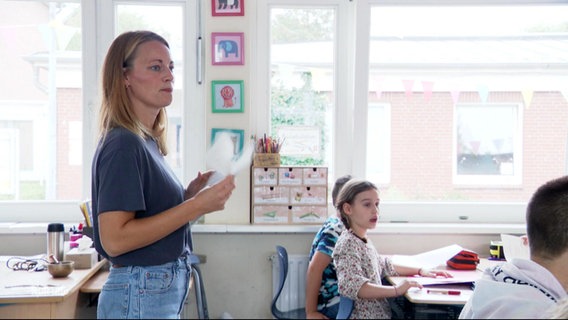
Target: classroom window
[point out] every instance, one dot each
(42, 110)
(302, 72)
(380, 89)
(48, 120)
(478, 111)
(41, 100)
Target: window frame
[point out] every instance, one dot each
(487, 180)
(97, 35)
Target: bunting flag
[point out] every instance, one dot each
(427, 87)
(408, 84)
(455, 96)
(527, 97)
(483, 92)
(475, 144)
(498, 144)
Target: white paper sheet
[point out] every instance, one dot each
(513, 247)
(221, 158)
(429, 259)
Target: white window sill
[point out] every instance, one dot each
(382, 228)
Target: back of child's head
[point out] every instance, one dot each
(547, 219)
(339, 183)
(348, 193)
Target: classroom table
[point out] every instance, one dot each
(419, 303)
(31, 294)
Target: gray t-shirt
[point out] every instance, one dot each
(130, 174)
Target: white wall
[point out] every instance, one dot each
(233, 213)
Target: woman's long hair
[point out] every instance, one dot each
(116, 107)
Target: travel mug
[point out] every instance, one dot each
(55, 238)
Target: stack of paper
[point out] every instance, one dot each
(429, 259)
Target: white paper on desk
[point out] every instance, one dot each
(429, 259)
(222, 157)
(513, 247)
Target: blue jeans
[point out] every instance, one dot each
(152, 292)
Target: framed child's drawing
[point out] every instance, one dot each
(228, 7)
(227, 96)
(227, 48)
(237, 137)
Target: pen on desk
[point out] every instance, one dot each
(444, 291)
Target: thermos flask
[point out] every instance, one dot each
(55, 239)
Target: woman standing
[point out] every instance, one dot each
(141, 211)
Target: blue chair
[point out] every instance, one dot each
(345, 307)
(299, 313)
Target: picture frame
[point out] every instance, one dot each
(227, 48)
(227, 96)
(237, 136)
(227, 8)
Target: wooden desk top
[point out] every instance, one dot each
(40, 287)
(96, 282)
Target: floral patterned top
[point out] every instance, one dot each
(358, 262)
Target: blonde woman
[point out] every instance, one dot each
(141, 211)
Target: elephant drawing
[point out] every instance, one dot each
(234, 4)
(228, 46)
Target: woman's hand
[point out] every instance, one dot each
(197, 184)
(213, 198)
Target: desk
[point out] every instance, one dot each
(28, 295)
(419, 301)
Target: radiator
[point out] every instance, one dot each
(293, 294)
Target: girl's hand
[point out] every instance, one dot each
(434, 273)
(405, 285)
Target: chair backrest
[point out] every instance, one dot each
(282, 256)
(345, 307)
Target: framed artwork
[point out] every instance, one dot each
(228, 7)
(227, 48)
(237, 137)
(227, 96)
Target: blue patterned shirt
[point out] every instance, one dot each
(324, 242)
